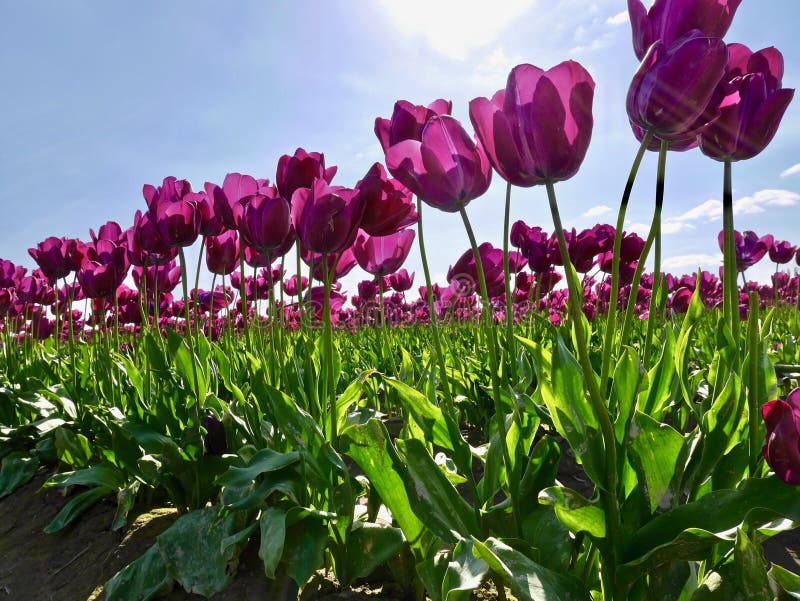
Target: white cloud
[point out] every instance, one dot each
(691, 261)
(455, 27)
(492, 71)
(793, 170)
(671, 226)
(711, 210)
(597, 211)
(618, 19)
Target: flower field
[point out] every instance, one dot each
(423, 429)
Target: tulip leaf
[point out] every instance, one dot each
(575, 511)
(624, 389)
(788, 581)
(369, 546)
(753, 579)
(304, 548)
(273, 536)
(464, 573)
(426, 414)
(76, 507)
(16, 470)
(141, 580)
(266, 460)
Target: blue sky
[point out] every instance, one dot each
(100, 98)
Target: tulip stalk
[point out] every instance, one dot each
(611, 320)
(730, 287)
(609, 494)
(510, 341)
(494, 366)
(753, 414)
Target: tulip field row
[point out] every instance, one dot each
(420, 428)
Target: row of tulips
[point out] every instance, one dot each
(658, 395)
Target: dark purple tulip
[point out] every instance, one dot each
(519, 233)
(752, 105)
(103, 269)
(234, 188)
(52, 256)
(264, 221)
(111, 230)
(145, 246)
(389, 204)
(300, 171)
(326, 218)
(631, 247)
(446, 169)
(255, 258)
(382, 255)
(681, 299)
(209, 224)
(222, 253)
(367, 289)
(539, 126)
(538, 248)
(750, 249)
(400, 281)
(214, 441)
(671, 91)
(797, 257)
(781, 252)
(291, 288)
(408, 121)
(6, 301)
(178, 220)
(10, 274)
(32, 289)
(162, 277)
(465, 271)
(668, 20)
(782, 447)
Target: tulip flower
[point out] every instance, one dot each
(222, 253)
(103, 269)
(408, 121)
(446, 168)
(264, 221)
(234, 188)
(178, 220)
(382, 255)
(291, 288)
(162, 277)
(300, 170)
(673, 87)
(668, 20)
(752, 105)
(389, 207)
(750, 249)
(539, 126)
(466, 273)
(400, 281)
(326, 218)
(52, 257)
(781, 252)
(782, 447)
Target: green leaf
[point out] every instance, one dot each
(273, 535)
(662, 384)
(16, 470)
(103, 474)
(624, 389)
(143, 579)
(370, 545)
(188, 365)
(72, 510)
(655, 452)
(266, 460)
(464, 573)
(73, 448)
(126, 499)
(426, 414)
(681, 356)
(545, 532)
(192, 549)
(433, 498)
(788, 581)
(370, 448)
(753, 580)
(528, 580)
(351, 395)
(575, 511)
(304, 549)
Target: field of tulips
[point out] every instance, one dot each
(425, 428)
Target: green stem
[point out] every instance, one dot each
(494, 366)
(730, 287)
(510, 341)
(327, 340)
(754, 355)
(611, 321)
(609, 493)
(197, 282)
(243, 296)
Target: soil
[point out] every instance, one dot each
(73, 564)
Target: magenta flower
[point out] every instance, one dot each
(408, 121)
(465, 270)
(264, 221)
(291, 288)
(103, 269)
(382, 255)
(326, 218)
(163, 277)
(222, 253)
(782, 447)
(539, 126)
(446, 168)
(673, 87)
(400, 281)
(52, 256)
(234, 188)
(781, 252)
(300, 170)
(668, 20)
(389, 204)
(752, 105)
(750, 249)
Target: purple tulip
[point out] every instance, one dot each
(446, 169)
(782, 447)
(103, 269)
(408, 121)
(668, 20)
(781, 252)
(234, 188)
(752, 105)
(389, 204)
(326, 218)
(673, 87)
(465, 271)
(264, 221)
(162, 277)
(382, 255)
(300, 171)
(178, 220)
(539, 127)
(750, 249)
(400, 281)
(222, 253)
(52, 256)
(291, 288)
(367, 289)
(10, 274)
(145, 245)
